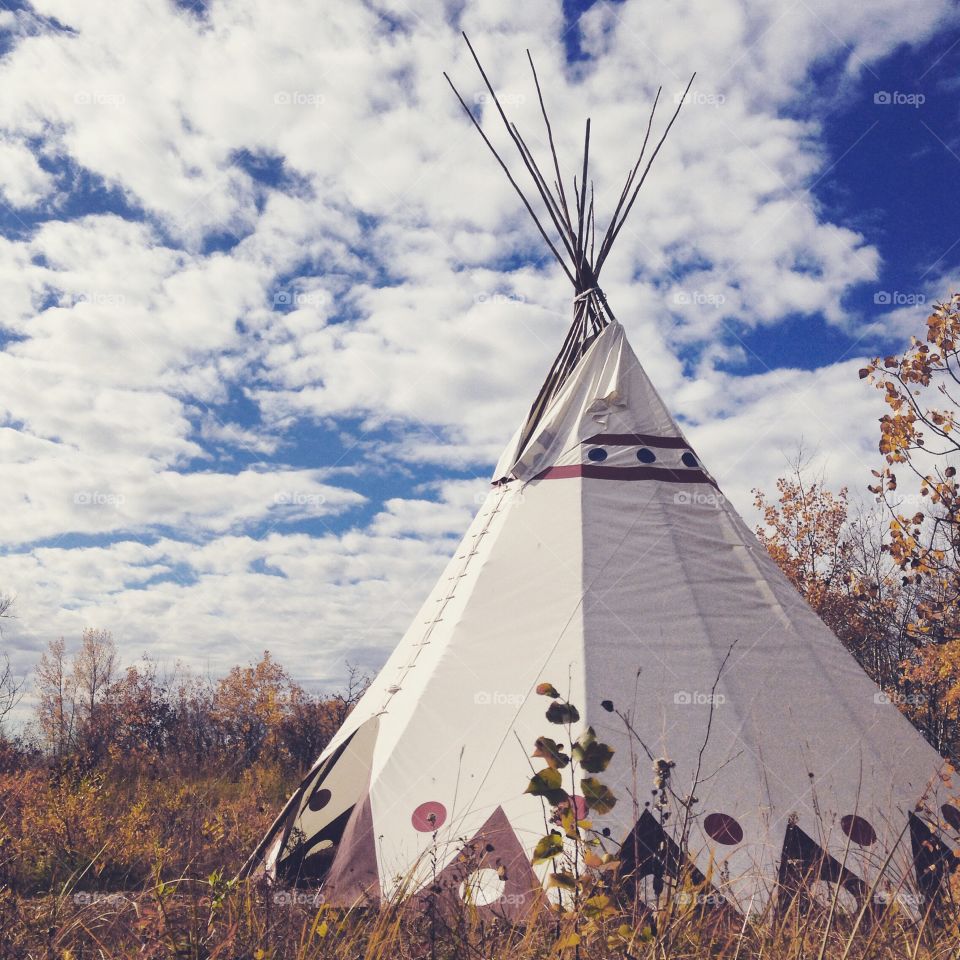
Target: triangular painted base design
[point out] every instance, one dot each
(649, 851)
(354, 878)
(934, 862)
(804, 862)
(494, 847)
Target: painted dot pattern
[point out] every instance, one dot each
(723, 828)
(858, 830)
(646, 455)
(429, 816)
(319, 799)
(689, 460)
(597, 455)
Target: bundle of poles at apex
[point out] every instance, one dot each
(580, 258)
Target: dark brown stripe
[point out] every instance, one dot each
(596, 471)
(633, 439)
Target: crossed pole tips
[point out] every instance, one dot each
(572, 240)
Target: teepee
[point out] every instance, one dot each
(606, 561)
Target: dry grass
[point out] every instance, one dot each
(211, 919)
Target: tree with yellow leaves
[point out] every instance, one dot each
(918, 438)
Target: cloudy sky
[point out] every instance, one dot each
(270, 312)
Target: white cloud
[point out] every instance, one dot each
(23, 182)
(383, 285)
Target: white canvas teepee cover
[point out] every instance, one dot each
(606, 561)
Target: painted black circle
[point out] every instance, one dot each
(597, 455)
(319, 799)
(644, 455)
(689, 460)
(723, 828)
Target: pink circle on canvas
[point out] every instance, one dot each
(429, 816)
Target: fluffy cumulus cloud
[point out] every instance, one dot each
(241, 234)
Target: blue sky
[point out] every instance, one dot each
(272, 311)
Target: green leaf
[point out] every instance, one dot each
(546, 783)
(599, 797)
(547, 848)
(552, 752)
(592, 755)
(548, 690)
(562, 713)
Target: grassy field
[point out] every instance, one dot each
(123, 864)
